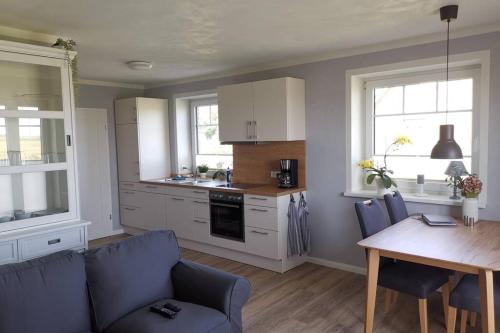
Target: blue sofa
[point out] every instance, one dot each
(110, 290)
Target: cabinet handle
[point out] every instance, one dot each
(201, 222)
(128, 192)
(54, 241)
(254, 126)
(259, 210)
(131, 209)
(128, 184)
(260, 232)
(249, 124)
(151, 186)
(178, 199)
(201, 202)
(199, 192)
(257, 198)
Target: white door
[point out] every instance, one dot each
(270, 110)
(235, 104)
(93, 170)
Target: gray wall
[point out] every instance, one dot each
(103, 98)
(335, 229)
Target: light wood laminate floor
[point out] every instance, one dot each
(313, 298)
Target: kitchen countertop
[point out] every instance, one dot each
(265, 189)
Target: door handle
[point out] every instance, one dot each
(224, 205)
(260, 232)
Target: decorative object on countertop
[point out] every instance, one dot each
(447, 148)
(381, 173)
(203, 169)
(420, 186)
(455, 171)
(219, 175)
(471, 188)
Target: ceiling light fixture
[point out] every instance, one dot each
(447, 148)
(139, 65)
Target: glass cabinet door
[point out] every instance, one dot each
(37, 179)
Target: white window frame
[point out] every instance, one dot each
(194, 126)
(360, 84)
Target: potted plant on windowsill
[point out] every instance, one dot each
(382, 174)
(202, 170)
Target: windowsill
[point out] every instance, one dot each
(428, 199)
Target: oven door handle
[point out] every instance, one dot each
(223, 205)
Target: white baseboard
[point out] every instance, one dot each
(337, 265)
(117, 232)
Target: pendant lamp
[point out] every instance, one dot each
(447, 148)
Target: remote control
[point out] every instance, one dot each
(172, 307)
(163, 311)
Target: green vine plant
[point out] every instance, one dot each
(69, 45)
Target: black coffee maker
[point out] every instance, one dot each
(289, 173)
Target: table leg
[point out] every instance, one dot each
(487, 302)
(371, 288)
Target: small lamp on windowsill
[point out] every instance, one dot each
(455, 170)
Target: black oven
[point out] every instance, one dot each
(227, 215)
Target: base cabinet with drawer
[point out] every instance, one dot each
(38, 242)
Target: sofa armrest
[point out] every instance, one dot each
(207, 286)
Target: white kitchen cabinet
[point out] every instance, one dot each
(128, 111)
(128, 152)
(261, 217)
(39, 177)
(131, 216)
(154, 214)
(142, 138)
(179, 213)
(235, 105)
(269, 110)
(262, 242)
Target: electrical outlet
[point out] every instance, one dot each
(274, 174)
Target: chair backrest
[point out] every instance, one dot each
(396, 207)
(370, 216)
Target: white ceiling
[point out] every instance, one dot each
(187, 39)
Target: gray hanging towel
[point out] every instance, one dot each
(294, 237)
(303, 212)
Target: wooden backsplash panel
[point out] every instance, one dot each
(253, 163)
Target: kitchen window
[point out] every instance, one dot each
(207, 148)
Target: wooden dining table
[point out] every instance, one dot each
(460, 248)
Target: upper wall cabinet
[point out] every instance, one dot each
(270, 110)
(142, 138)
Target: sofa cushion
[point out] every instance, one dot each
(48, 294)
(130, 274)
(192, 318)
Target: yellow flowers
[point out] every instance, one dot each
(366, 164)
(402, 140)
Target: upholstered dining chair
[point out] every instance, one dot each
(466, 297)
(396, 207)
(401, 276)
